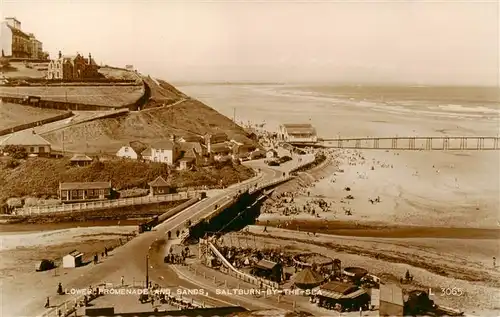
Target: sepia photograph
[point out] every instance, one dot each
(249, 158)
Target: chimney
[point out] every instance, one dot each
(90, 59)
(60, 54)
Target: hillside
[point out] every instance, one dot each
(12, 115)
(39, 177)
(189, 117)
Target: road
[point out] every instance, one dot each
(128, 260)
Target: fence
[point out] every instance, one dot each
(36, 123)
(96, 205)
(241, 275)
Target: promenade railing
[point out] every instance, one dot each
(105, 204)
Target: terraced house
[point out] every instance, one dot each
(15, 43)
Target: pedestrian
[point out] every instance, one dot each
(494, 262)
(106, 251)
(47, 303)
(122, 280)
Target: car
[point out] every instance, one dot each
(273, 163)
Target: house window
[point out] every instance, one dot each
(32, 149)
(41, 149)
(126, 149)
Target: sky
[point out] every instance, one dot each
(417, 42)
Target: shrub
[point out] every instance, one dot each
(16, 151)
(12, 163)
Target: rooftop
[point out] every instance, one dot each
(338, 287)
(391, 293)
(163, 145)
(305, 128)
(158, 182)
(87, 185)
(219, 148)
(24, 138)
(266, 264)
(75, 253)
(80, 158)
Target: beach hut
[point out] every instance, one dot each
(73, 259)
(307, 279)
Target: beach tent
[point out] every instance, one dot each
(307, 279)
(44, 265)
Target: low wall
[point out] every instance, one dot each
(110, 213)
(105, 204)
(36, 123)
(58, 104)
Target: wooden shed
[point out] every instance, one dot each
(391, 300)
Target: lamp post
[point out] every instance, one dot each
(147, 271)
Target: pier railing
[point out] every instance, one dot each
(418, 143)
(105, 204)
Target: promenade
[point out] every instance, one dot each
(128, 260)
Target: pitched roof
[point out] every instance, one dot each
(188, 146)
(128, 147)
(219, 148)
(158, 182)
(244, 148)
(86, 185)
(80, 157)
(24, 138)
(391, 293)
(338, 287)
(147, 152)
(163, 145)
(306, 128)
(266, 264)
(75, 253)
(191, 138)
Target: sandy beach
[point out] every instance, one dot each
(433, 212)
(426, 188)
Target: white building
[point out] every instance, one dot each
(33, 143)
(162, 152)
(73, 259)
(298, 133)
(127, 151)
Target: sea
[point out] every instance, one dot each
(357, 111)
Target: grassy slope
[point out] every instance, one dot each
(40, 177)
(108, 135)
(12, 115)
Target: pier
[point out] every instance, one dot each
(416, 143)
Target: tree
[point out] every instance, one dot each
(16, 151)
